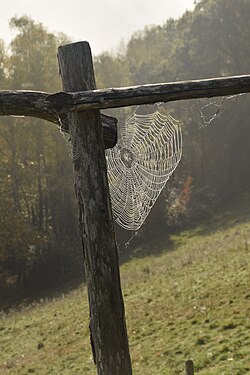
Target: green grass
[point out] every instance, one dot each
(190, 302)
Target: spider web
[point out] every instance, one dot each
(73, 142)
(210, 110)
(149, 149)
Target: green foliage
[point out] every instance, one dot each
(3, 58)
(33, 63)
(111, 71)
(191, 302)
(38, 235)
(36, 180)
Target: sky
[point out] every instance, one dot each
(103, 23)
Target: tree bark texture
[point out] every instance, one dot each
(107, 318)
(149, 94)
(33, 103)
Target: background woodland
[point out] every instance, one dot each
(39, 244)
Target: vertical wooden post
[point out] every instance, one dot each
(107, 318)
(189, 366)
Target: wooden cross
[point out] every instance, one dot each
(81, 102)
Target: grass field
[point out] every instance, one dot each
(191, 300)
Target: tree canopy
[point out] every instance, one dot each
(39, 245)
(39, 240)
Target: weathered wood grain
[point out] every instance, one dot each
(33, 104)
(189, 366)
(48, 106)
(107, 318)
(149, 94)
(26, 103)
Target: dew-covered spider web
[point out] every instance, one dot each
(211, 109)
(148, 150)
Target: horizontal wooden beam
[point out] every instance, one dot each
(148, 94)
(33, 104)
(26, 103)
(48, 106)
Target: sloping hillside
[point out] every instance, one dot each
(190, 302)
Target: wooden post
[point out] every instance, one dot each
(189, 366)
(107, 318)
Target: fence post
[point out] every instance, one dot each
(107, 318)
(189, 366)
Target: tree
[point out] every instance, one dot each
(37, 200)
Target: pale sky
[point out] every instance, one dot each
(103, 23)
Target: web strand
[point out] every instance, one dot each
(148, 151)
